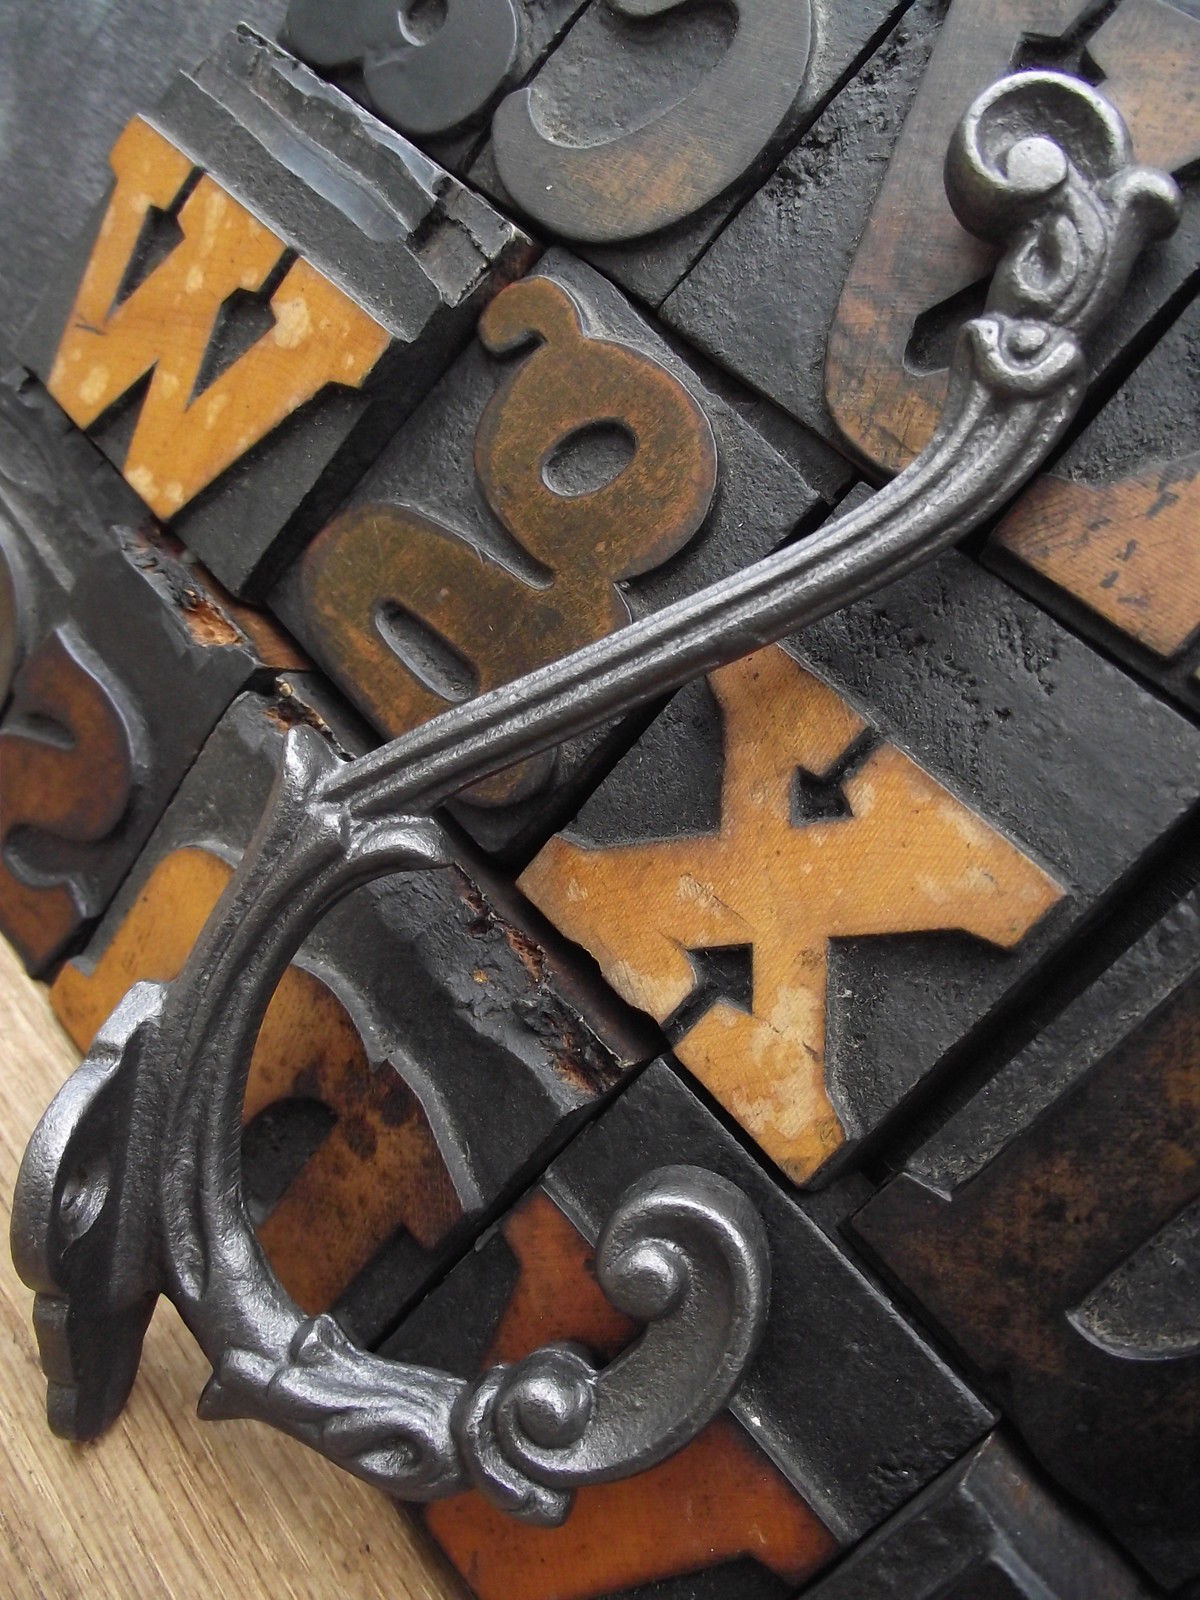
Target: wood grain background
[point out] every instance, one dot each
(164, 1505)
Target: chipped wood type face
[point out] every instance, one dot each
(191, 427)
(69, 92)
(257, 303)
(778, 883)
(409, 355)
(1123, 549)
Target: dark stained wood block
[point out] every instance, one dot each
(118, 659)
(570, 471)
(272, 283)
(1051, 1231)
(1107, 538)
(824, 871)
(424, 1049)
(838, 289)
(640, 135)
(986, 1530)
(797, 1469)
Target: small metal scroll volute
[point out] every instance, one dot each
(130, 1187)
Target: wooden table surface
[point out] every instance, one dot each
(164, 1504)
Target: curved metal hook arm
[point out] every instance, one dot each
(1073, 215)
(130, 1186)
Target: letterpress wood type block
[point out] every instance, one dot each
(119, 661)
(643, 130)
(1108, 538)
(839, 287)
(796, 1469)
(439, 88)
(1051, 1231)
(568, 472)
(273, 281)
(68, 88)
(422, 1051)
(986, 1530)
(826, 869)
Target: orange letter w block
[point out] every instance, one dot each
(188, 434)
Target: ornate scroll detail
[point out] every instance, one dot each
(130, 1186)
(684, 1251)
(1074, 220)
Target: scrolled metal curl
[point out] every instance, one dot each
(684, 1252)
(130, 1187)
(1070, 204)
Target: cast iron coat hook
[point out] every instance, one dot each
(130, 1187)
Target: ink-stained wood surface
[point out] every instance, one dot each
(916, 257)
(378, 1167)
(439, 90)
(192, 426)
(1125, 548)
(1106, 538)
(648, 176)
(78, 793)
(164, 1506)
(122, 659)
(1051, 1230)
(586, 540)
(987, 1528)
(895, 853)
(719, 1500)
(93, 77)
(426, 1046)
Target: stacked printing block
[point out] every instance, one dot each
(387, 362)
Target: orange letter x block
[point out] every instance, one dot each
(911, 858)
